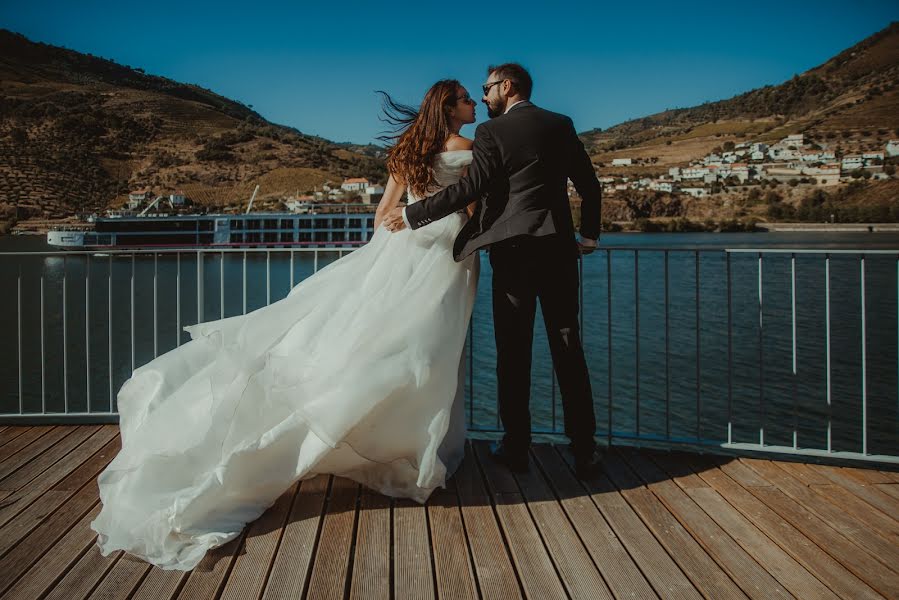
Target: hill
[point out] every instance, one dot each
(851, 102)
(77, 132)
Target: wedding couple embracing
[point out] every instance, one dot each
(359, 370)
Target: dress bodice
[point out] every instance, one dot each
(448, 168)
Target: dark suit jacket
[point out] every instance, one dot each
(521, 164)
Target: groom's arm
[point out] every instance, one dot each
(581, 173)
(484, 166)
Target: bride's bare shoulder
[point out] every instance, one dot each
(457, 142)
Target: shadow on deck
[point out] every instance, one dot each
(655, 524)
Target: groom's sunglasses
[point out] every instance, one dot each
(486, 87)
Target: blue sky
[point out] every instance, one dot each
(315, 65)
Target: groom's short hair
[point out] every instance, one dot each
(515, 73)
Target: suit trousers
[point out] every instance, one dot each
(525, 269)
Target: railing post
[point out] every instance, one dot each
(795, 369)
(199, 286)
(667, 358)
(87, 328)
(698, 355)
(637, 337)
(730, 356)
(761, 362)
(65, 340)
(609, 338)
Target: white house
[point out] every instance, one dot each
(663, 186)
(696, 192)
(674, 173)
(621, 162)
(852, 162)
(870, 156)
(758, 155)
(892, 148)
(139, 195)
(177, 199)
(694, 173)
(355, 184)
(825, 175)
(796, 139)
(759, 147)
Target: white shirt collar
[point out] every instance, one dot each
(514, 104)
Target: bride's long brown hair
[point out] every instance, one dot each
(419, 135)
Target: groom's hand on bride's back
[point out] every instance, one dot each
(394, 220)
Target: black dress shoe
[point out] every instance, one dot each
(516, 461)
(587, 466)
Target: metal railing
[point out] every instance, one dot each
(634, 432)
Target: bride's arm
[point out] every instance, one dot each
(391, 198)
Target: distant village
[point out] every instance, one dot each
(791, 160)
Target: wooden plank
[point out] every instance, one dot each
(452, 563)
(890, 489)
(789, 572)
(754, 580)
(885, 503)
(839, 495)
(293, 562)
(573, 563)
(208, 577)
(534, 566)
(837, 577)
(863, 564)
(332, 560)
(616, 566)
(120, 581)
(252, 565)
(696, 564)
(56, 562)
(846, 524)
(12, 432)
(85, 575)
(37, 509)
(30, 498)
(413, 574)
(661, 571)
(160, 585)
(496, 577)
(894, 475)
(42, 538)
(27, 472)
(27, 437)
(371, 562)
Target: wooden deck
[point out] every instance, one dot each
(655, 525)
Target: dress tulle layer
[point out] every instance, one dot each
(358, 372)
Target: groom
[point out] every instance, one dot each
(522, 160)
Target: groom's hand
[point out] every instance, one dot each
(586, 246)
(394, 220)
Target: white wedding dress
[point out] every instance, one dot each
(358, 372)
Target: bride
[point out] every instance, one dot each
(358, 372)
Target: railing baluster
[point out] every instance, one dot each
(637, 337)
(178, 300)
(87, 328)
(698, 355)
(315, 261)
(795, 369)
(864, 364)
(222, 286)
(268, 277)
(132, 312)
(609, 338)
(471, 369)
(667, 357)
(109, 331)
(827, 350)
(244, 282)
(155, 305)
(761, 363)
(19, 328)
(199, 286)
(43, 381)
(291, 269)
(730, 357)
(65, 340)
